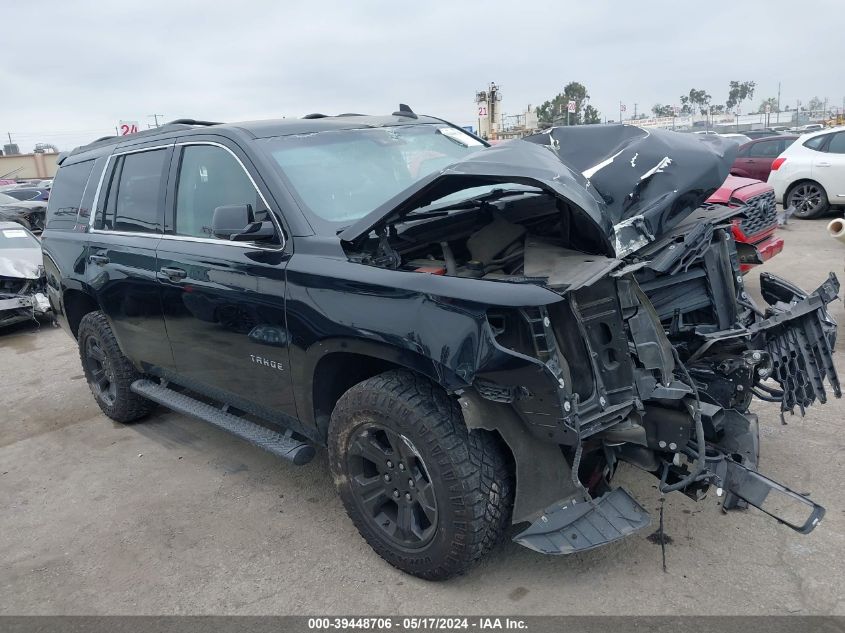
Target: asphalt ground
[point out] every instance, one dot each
(171, 516)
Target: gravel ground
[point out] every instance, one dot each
(170, 516)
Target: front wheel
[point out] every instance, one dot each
(108, 372)
(427, 494)
(808, 199)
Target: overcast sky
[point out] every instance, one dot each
(71, 70)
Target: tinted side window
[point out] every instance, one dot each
(66, 194)
(837, 143)
(134, 193)
(21, 194)
(765, 149)
(743, 151)
(816, 142)
(210, 177)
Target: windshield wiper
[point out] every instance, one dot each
(469, 203)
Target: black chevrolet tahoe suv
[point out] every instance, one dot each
(479, 335)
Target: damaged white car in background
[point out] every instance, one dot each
(22, 280)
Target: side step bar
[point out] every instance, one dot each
(284, 445)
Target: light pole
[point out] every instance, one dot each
(155, 117)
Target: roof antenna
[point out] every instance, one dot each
(405, 110)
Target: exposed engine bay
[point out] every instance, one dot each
(654, 353)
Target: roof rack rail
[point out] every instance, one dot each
(315, 115)
(351, 114)
(192, 122)
(103, 138)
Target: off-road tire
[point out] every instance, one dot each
(126, 406)
(470, 471)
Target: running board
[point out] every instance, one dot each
(583, 525)
(284, 445)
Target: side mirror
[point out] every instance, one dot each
(236, 222)
(230, 220)
(255, 232)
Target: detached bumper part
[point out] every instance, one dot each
(584, 525)
(799, 339)
(776, 500)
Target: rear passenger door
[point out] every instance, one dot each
(224, 301)
(121, 260)
(760, 157)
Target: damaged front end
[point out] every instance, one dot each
(22, 280)
(654, 351)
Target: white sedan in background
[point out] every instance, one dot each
(810, 174)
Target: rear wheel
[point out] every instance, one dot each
(809, 200)
(427, 494)
(108, 372)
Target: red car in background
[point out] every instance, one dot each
(754, 159)
(757, 228)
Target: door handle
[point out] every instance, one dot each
(822, 164)
(174, 274)
(100, 260)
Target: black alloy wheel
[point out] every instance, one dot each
(392, 486)
(101, 373)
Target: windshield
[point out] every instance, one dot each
(17, 238)
(342, 175)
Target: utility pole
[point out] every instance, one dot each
(155, 117)
(635, 109)
(778, 102)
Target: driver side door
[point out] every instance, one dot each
(224, 301)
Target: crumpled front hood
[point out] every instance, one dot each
(649, 179)
(22, 263)
(632, 184)
(512, 162)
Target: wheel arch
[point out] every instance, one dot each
(800, 181)
(76, 304)
(336, 365)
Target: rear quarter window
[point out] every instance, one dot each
(66, 195)
(816, 142)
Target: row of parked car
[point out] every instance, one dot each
(806, 171)
(25, 202)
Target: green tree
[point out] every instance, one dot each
(662, 110)
(739, 92)
(699, 99)
(815, 104)
(591, 115)
(772, 102)
(686, 107)
(556, 108)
